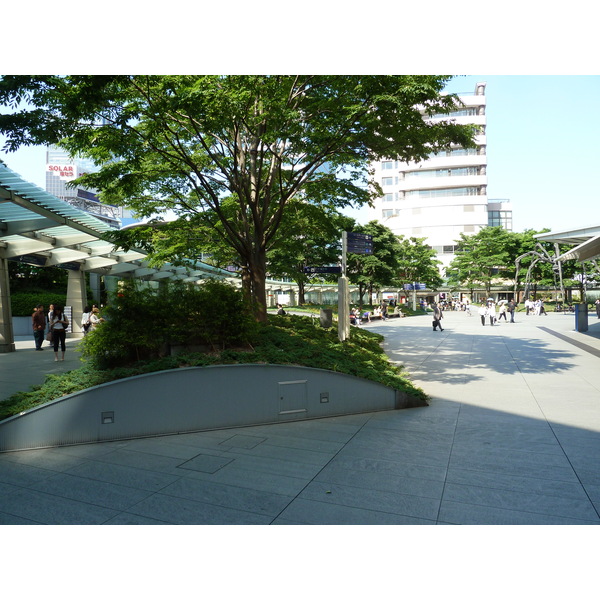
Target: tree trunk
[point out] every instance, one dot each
(246, 284)
(301, 288)
(258, 276)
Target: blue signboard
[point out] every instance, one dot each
(359, 243)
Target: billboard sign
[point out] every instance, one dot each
(67, 172)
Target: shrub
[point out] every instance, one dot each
(141, 324)
(23, 303)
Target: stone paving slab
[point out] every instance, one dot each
(512, 436)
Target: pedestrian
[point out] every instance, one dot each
(541, 309)
(502, 312)
(483, 312)
(438, 315)
(38, 323)
(511, 309)
(96, 319)
(59, 324)
(86, 323)
(48, 318)
(597, 303)
(492, 312)
(384, 313)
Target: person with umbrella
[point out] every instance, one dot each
(502, 310)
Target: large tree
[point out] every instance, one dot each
(310, 236)
(233, 150)
(482, 258)
(417, 263)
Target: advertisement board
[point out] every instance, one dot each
(64, 171)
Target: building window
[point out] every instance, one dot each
(469, 228)
(500, 218)
(387, 164)
(387, 181)
(469, 208)
(458, 172)
(443, 192)
(456, 152)
(463, 152)
(388, 197)
(463, 112)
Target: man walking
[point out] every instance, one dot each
(511, 309)
(38, 322)
(437, 317)
(483, 313)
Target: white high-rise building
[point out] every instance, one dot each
(446, 195)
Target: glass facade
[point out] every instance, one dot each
(500, 218)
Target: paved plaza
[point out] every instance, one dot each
(512, 436)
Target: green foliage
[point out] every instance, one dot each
(23, 303)
(30, 277)
(482, 258)
(309, 235)
(371, 271)
(232, 149)
(140, 324)
(291, 339)
(417, 263)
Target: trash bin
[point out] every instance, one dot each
(581, 317)
(326, 317)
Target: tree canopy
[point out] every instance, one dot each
(232, 151)
(482, 258)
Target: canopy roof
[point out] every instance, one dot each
(40, 229)
(586, 241)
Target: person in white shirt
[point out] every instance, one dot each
(483, 312)
(59, 324)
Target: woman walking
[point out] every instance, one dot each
(58, 326)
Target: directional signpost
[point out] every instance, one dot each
(413, 287)
(323, 269)
(357, 243)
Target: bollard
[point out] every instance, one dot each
(581, 317)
